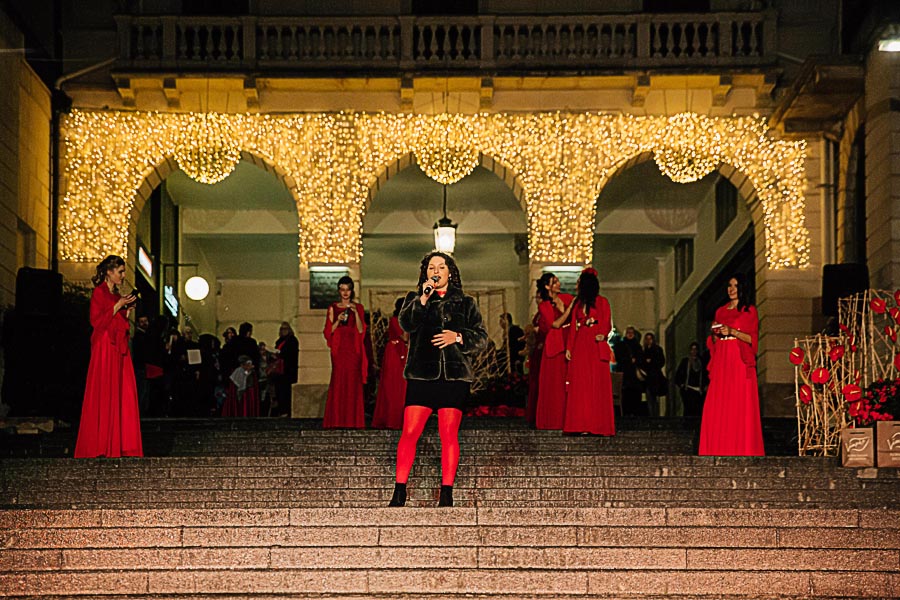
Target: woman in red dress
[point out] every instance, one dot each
(589, 401)
(552, 380)
(344, 331)
(110, 422)
(731, 423)
(392, 387)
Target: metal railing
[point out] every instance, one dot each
(467, 43)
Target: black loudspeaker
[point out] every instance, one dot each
(840, 281)
(38, 292)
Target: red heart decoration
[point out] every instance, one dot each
(897, 361)
(877, 305)
(851, 392)
(836, 353)
(796, 356)
(890, 332)
(897, 297)
(857, 375)
(844, 328)
(820, 375)
(805, 394)
(852, 347)
(895, 314)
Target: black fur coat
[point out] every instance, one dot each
(455, 312)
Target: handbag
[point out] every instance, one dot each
(275, 367)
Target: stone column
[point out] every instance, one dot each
(883, 169)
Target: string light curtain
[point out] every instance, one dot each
(561, 160)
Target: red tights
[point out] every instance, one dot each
(414, 419)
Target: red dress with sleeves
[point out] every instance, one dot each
(110, 423)
(534, 371)
(552, 382)
(392, 387)
(731, 423)
(344, 406)
(589, 401)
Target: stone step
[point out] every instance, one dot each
(438, 552)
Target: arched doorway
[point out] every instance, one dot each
(491, 243)
(661, 249)
(240, 235)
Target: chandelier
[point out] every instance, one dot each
(207, 152)
(445, 149)
(687, 151)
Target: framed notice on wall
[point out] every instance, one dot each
(323, 285)
(567, 275)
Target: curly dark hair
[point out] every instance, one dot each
(398, 304)
(588, 289)
(107, 264)
(743, 287)
(542, 284)
(455, 281)
(347, 280)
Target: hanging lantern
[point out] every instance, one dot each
(445, 231)
(688, 152)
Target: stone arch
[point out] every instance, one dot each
(495, 166)
(737, 177)
(156, 174)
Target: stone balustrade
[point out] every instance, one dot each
(385, 44)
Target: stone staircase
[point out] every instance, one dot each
(283, 509)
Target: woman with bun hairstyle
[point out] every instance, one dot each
(110, 422)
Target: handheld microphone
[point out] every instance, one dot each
(429, 287)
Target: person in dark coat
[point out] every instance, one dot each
(628, 356)
(692, 380)
(445, 332)
(655, 383)
(288, 352)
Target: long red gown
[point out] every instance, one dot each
(344, 406)
(552, 381)
(246, 405)
(110, 422)
(392, 387)
(731, 423)
(534, 372)
(589, 401)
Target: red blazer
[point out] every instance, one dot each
(745, 321)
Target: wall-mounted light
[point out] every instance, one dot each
(891, 44)
(196, 288)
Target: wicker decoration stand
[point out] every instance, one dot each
(862, 353)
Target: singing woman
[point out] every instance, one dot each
(445, 331)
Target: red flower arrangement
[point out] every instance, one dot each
(880, 402)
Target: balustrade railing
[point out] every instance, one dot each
(483, 42)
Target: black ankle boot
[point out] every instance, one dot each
(399, 497)
(446, 496)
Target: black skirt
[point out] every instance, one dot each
(436, 394)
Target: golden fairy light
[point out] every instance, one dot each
(560, 160)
